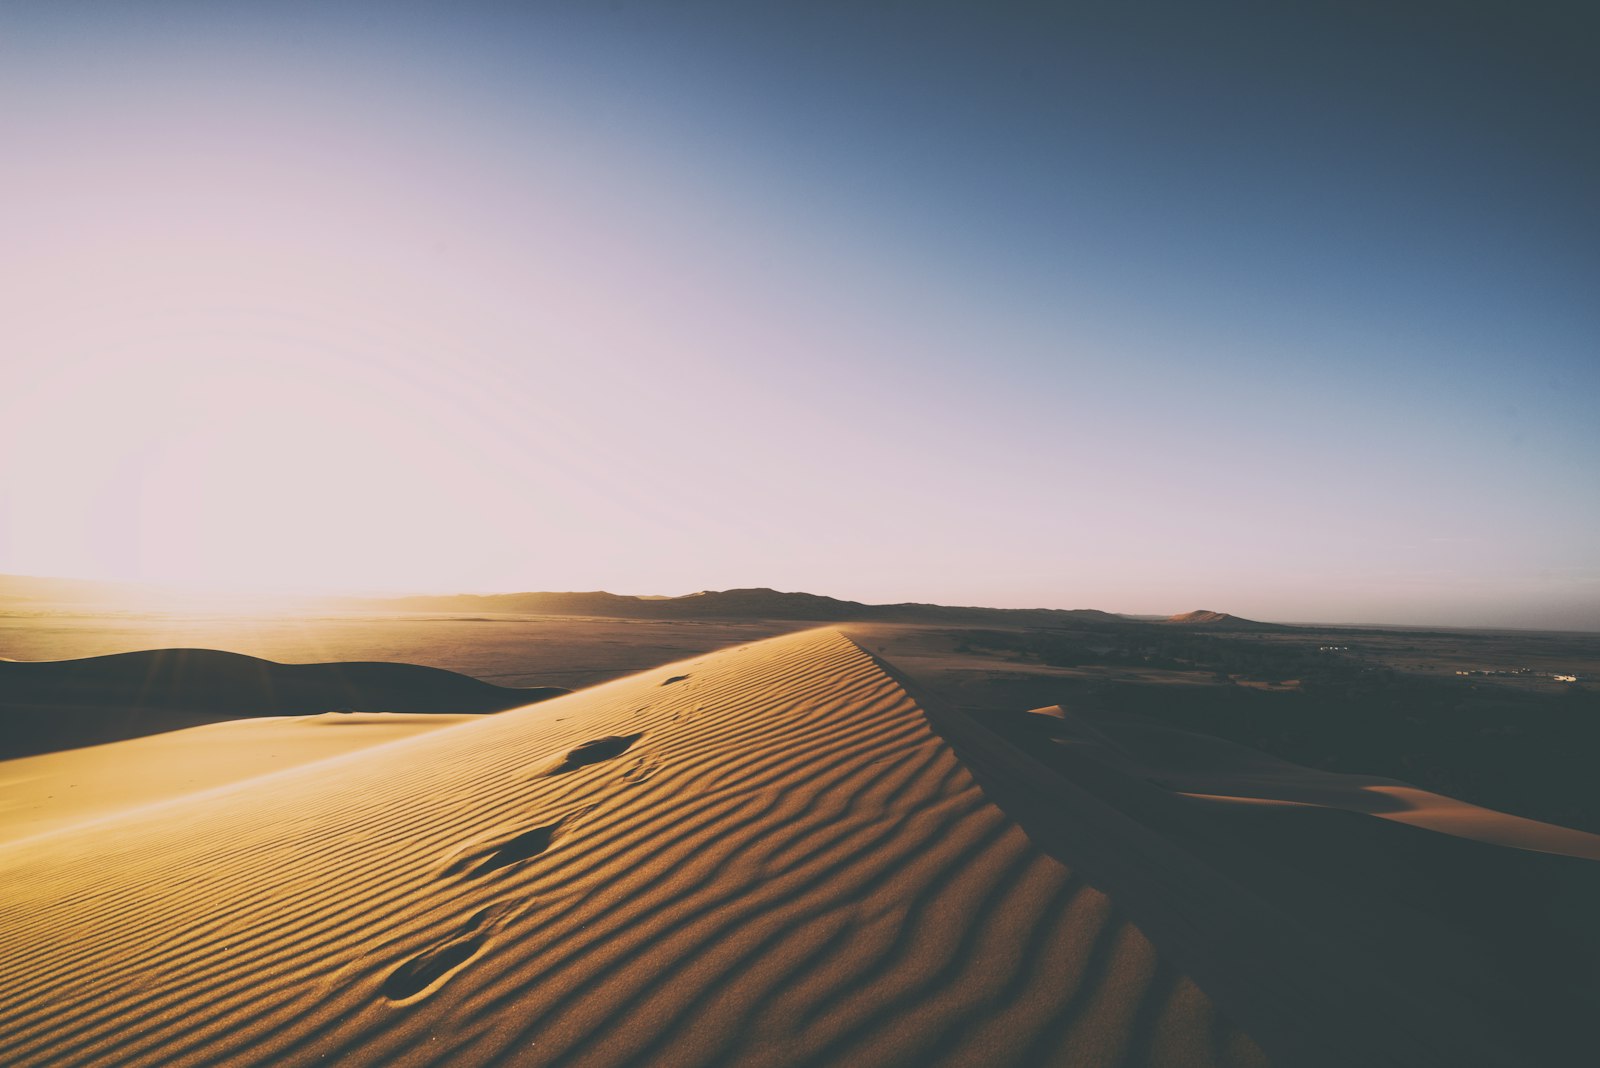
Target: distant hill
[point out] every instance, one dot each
(33, 594)
(757, 603)
(37, 594)
(1220, 621)
(54, 704)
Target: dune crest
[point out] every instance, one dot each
(772, 860)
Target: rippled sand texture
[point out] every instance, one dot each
(762, 856)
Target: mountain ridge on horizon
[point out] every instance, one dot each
(750, 602)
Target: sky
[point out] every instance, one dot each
(1140, 307)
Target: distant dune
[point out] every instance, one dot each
(1220, 621)
(54, 704)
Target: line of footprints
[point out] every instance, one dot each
(427, 971)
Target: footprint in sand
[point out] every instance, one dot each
(515, 849)
(427, 971)
(595, 751)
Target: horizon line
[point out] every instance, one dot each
(211, 591)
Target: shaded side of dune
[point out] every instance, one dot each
(1335, 937)
(61, 704)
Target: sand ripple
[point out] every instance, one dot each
(771, 861)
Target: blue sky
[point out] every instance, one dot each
(1132, 306)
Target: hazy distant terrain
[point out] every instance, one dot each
(731, 604)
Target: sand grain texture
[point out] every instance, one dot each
(773, 860)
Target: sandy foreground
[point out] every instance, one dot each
(768, 855)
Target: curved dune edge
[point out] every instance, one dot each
(761, 856)
(1445, 815)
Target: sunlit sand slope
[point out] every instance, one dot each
(45, 793)
(762, 856)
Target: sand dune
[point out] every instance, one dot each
(1221, 621)
(763, 856)
(55, 704)
(44, 793)
(782, 854)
